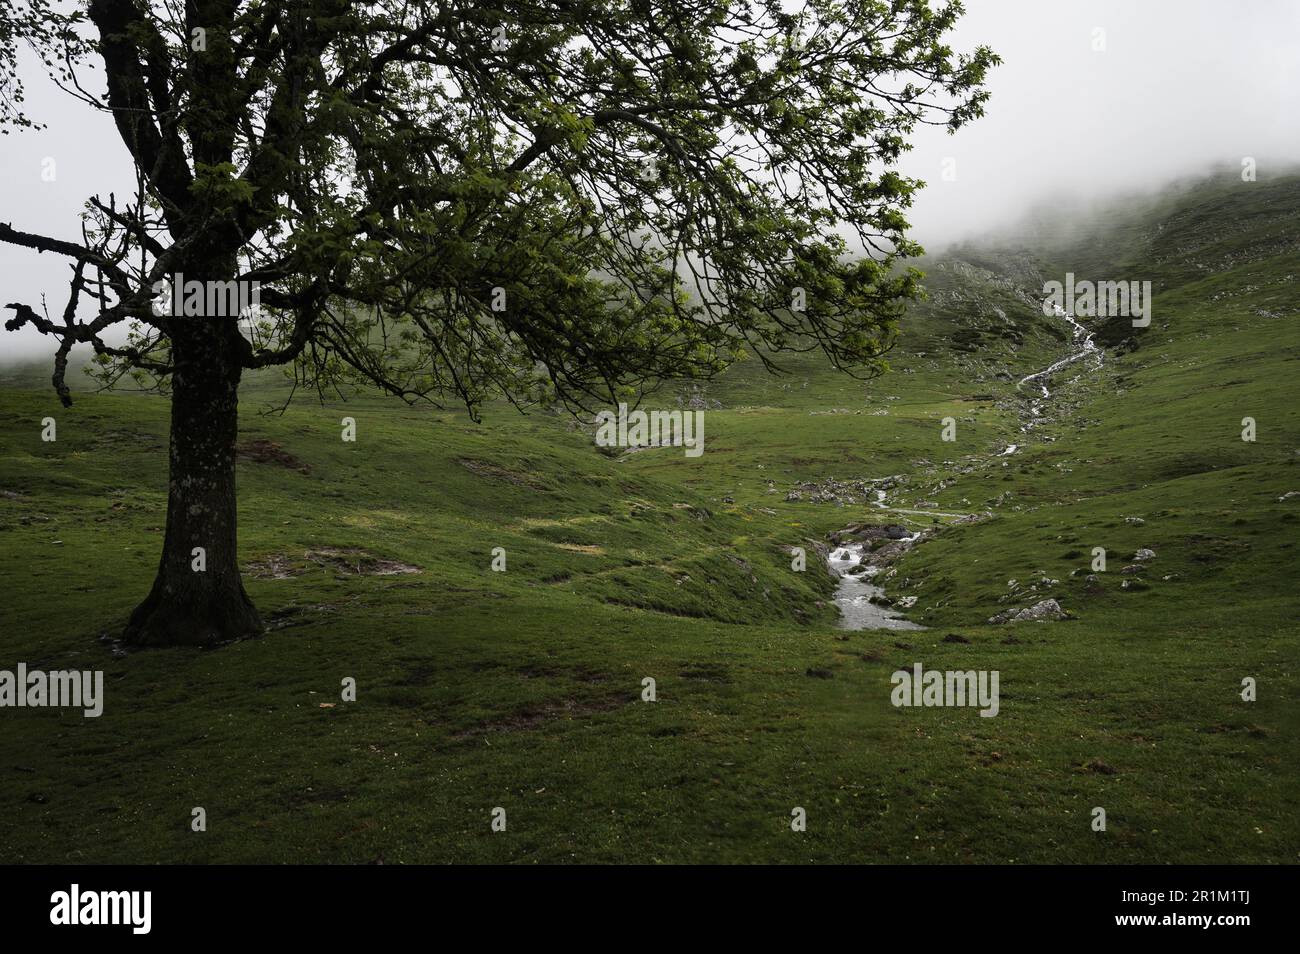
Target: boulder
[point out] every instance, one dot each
(1042, 610)
(1039, 612)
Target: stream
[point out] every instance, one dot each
(854, 593)
(1082, 337)
(855, 590)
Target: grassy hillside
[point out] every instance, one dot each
(523, 689)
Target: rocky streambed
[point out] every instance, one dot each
(859, 554)
(1081, 338)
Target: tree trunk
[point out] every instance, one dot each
(188, 605)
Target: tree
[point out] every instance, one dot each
(550, 200)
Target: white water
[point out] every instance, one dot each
(1082, 337)
(853, 595)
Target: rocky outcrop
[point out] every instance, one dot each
(843, 492)
(1040, 612)
(869, 532)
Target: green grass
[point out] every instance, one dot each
(523, 689)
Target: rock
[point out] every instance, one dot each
(1042, 610)
(1134, 585)
(1135, 521)
(865, 533)
(906, 602)
(887, 553)
(1288, 495)
(1144, 554)
(1039, 612)
(955, 638)
(1131, 569)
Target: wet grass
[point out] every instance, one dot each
(523, 689)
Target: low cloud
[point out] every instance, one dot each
(1176, 88)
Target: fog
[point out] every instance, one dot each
(1178, 86)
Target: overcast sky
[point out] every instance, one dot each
(1179, 85)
